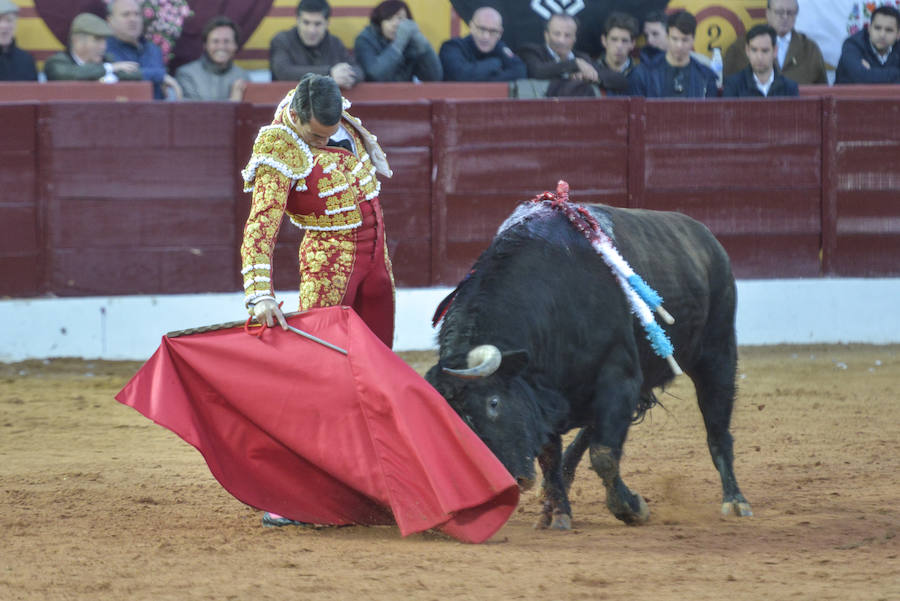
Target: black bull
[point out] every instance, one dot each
(571, 355)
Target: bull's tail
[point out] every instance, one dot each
(646, 402)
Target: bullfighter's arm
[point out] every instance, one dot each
(270, 192)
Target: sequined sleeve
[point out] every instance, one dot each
(270, 192)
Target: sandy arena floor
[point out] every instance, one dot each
(99, 503)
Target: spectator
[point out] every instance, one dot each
(571, 73)
(392, 48)
(214, 76)
(127, 44)
(759, 78)
(15, 63)
(482, 55)
(799, 58)
(619, 33)
(86, 58)
(657, 39)
(873, 54)
(676, 74)
(310, 48)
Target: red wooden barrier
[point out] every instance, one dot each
(491, 155)
(751, 171)
(21, 257)
(145, 197)
(272, 93)
(79, 91)
(138, 198)
(866, 188)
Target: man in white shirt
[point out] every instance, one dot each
(760, 78)
(799, 58)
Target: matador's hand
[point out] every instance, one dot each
(266, 311)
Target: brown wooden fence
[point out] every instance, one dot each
(144, 198)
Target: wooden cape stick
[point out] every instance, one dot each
(235, 324)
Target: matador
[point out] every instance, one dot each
(316, 163)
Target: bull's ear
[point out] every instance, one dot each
(514, 362)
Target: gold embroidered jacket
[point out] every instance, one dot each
(319, 189)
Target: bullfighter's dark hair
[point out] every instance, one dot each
(565, 16)
(314, 6)
(888, 11)
(221, 21)
(318, 96)
(618, 19)
(386, 10)
(683, 21)
(762, 29)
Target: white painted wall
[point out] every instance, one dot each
(130, 327)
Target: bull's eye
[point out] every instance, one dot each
(493, 408)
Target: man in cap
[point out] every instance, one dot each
(86, 59)
(15, 63)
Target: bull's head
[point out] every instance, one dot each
(494, 399)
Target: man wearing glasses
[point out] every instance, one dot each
(799, 58)
(675, 74)
(482, 55)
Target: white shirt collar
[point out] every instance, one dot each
(882, 58)
(556, 57)
(764, 87)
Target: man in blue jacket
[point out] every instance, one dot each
(760, 79)
(873, 54)
(127, 44)
(675, 74)
(481, 56)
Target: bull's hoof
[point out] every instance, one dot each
(561, 521)
(543, 522)
(630, 516)
(739, 508)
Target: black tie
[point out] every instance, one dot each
(345, 144)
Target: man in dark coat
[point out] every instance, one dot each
(873, 54)
(798, 57)
(760, 78)
(86, 58)
(15, 63)
(310, 48)
(571, 73)
(675, 74)
(481, 56)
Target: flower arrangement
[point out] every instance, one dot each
(861, 14)
(163, 22)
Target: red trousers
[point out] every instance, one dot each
(352, 268)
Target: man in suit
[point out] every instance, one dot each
(569, 72)
(759, 79)
(798, 57)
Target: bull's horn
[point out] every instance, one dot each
(482, 361)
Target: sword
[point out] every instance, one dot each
(235, 324)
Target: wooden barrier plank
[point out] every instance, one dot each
(866, 181)
(75, 91)
(272, 93)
